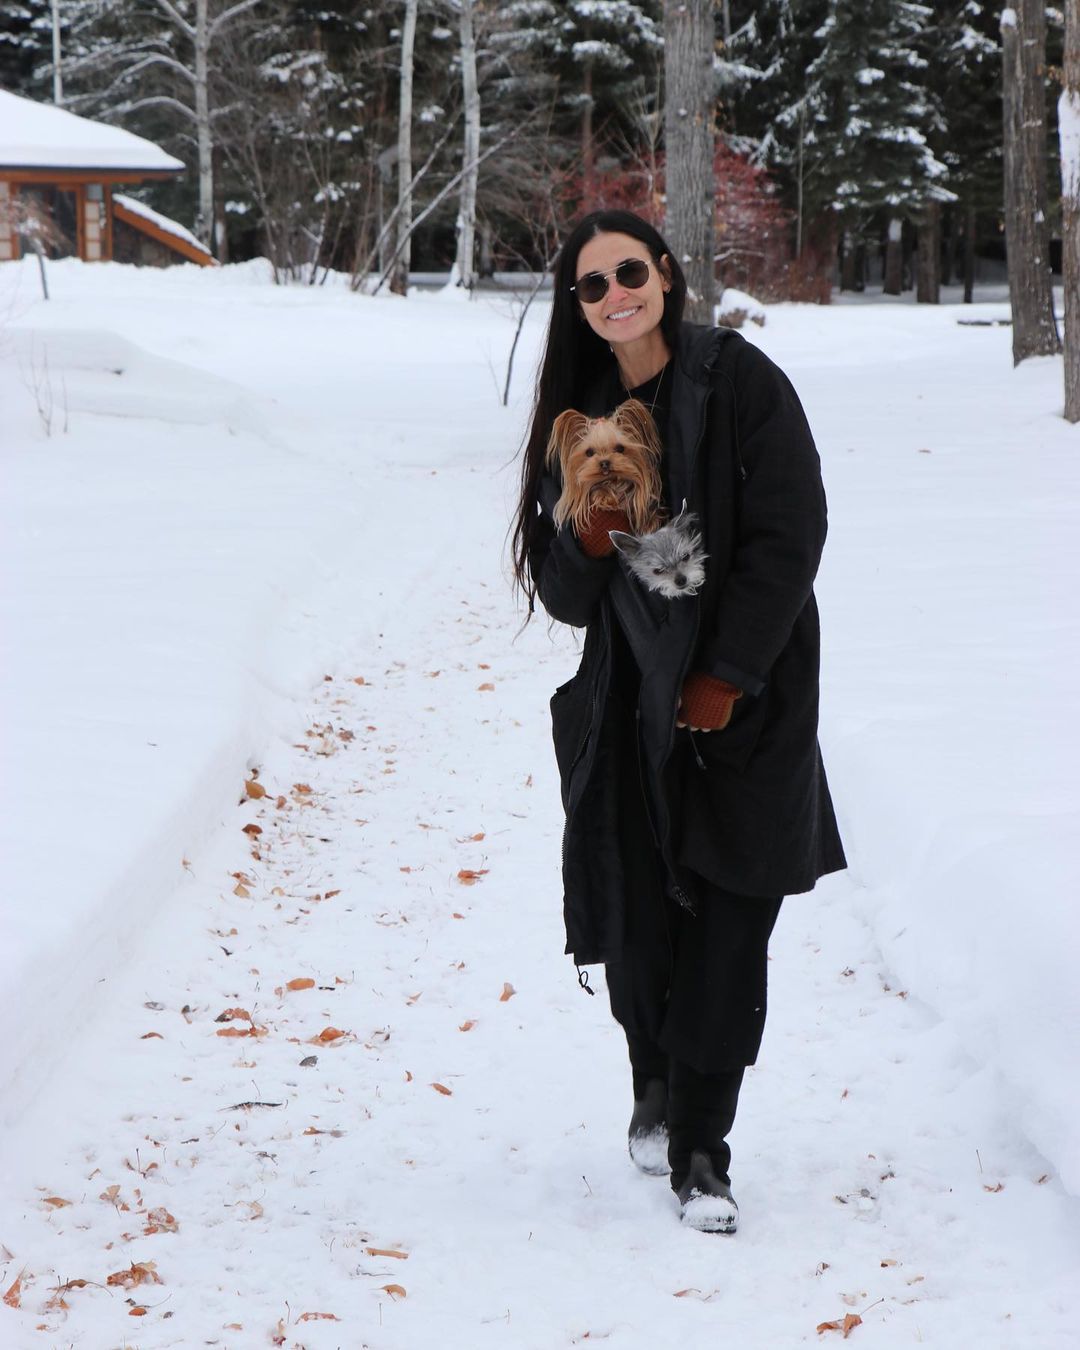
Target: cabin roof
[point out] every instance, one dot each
(39, 136)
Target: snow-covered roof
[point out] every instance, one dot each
(41, 136)
(164, 223)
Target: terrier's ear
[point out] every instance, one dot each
(636, 418)
(682, 514)
(625, 543)
(567, 429)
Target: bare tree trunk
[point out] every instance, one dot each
(1023, 37)
(690, 135)
(204, 217)
(894, 257)
(928, 267)
(399, 281)
(1069, 135)
(465, 265)
(969, 255)
(847, 262)
(588, 151)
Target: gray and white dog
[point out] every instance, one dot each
(671, 560)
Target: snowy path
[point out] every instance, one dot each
(881, 1171)
(293, 1159)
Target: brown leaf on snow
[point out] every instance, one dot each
(139, 1272)
(13, 1296)
(139, 1310)
(110, 1194)
(55, 1201)
(252, 830)
(485, 688)
(301, 982)
(685, 1293)
(847, 1326)
(242, 891)
(456, 915)
(469, 876)
(387, 1251)
(160, 1221)
(327, 1036)
(508, 992)
(232, 1014)
(152, 1036)
(994, 1189)
(254, 788)
(318, 1317)
(467, 1026)
(394, 1290)
(472, 838)
(440, 1087)
(242, 1031)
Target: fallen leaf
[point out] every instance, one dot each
(684, 1293)
(387, 1251)
(252, 830)
(408, 1076)
(318, 1317)
(467, 1026)
(303, 789)
(232, 1014)
(111, 1194)
(414, 998)
(55, 1201)
(160, 1221)
(138, 1311)
(469, 876)
(242, 891)
(243, 1031)
(327, 1036)
(14, 1294)
(994, 1189)
(139, 1272)
(473, 838)
(439, 1087)
(394, 1290)
(889, 1262)
(485, 688)
(254, 789)
(508, 992)
(301, 982)
(456, 915)
(847, 1326)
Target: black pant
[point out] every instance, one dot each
(689, 987)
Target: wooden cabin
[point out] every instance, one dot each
(58, 175)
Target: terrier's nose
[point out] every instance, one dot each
(680, 580)
(605, 466)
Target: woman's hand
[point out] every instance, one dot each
(594, 538)
(706, 703)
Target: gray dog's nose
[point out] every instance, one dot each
(680, 580)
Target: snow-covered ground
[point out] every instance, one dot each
(253, 530)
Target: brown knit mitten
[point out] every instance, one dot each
(707, 702)
(594, 537)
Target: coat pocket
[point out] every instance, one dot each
(571, 724)
(731, 750)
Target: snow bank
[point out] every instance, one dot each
(736, 307)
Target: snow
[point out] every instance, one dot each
(39, 135)
(735, 301)
(165, 223)
(253, 498)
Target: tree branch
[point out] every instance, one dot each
(177, 18)
(227, 15)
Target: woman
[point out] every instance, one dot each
(692, 780)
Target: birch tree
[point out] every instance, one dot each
(1069, 135)
(1027, 235)
(464, 273)
(399, 279)
(689, 132)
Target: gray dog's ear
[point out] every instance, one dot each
(682, 513)
(625, 543)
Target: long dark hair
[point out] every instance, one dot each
(574, 358)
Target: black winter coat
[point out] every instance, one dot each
(747, 808)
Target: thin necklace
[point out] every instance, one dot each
(656, 392)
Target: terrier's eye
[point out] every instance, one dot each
(589, 453)
(658, 571)
(618, 449)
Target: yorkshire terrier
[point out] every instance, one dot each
(670, 560)
(609, 464)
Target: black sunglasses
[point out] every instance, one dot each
(632, 273)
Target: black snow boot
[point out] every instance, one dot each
(648, 1132)
(701, 1112)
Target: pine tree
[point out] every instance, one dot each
(26, 48)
